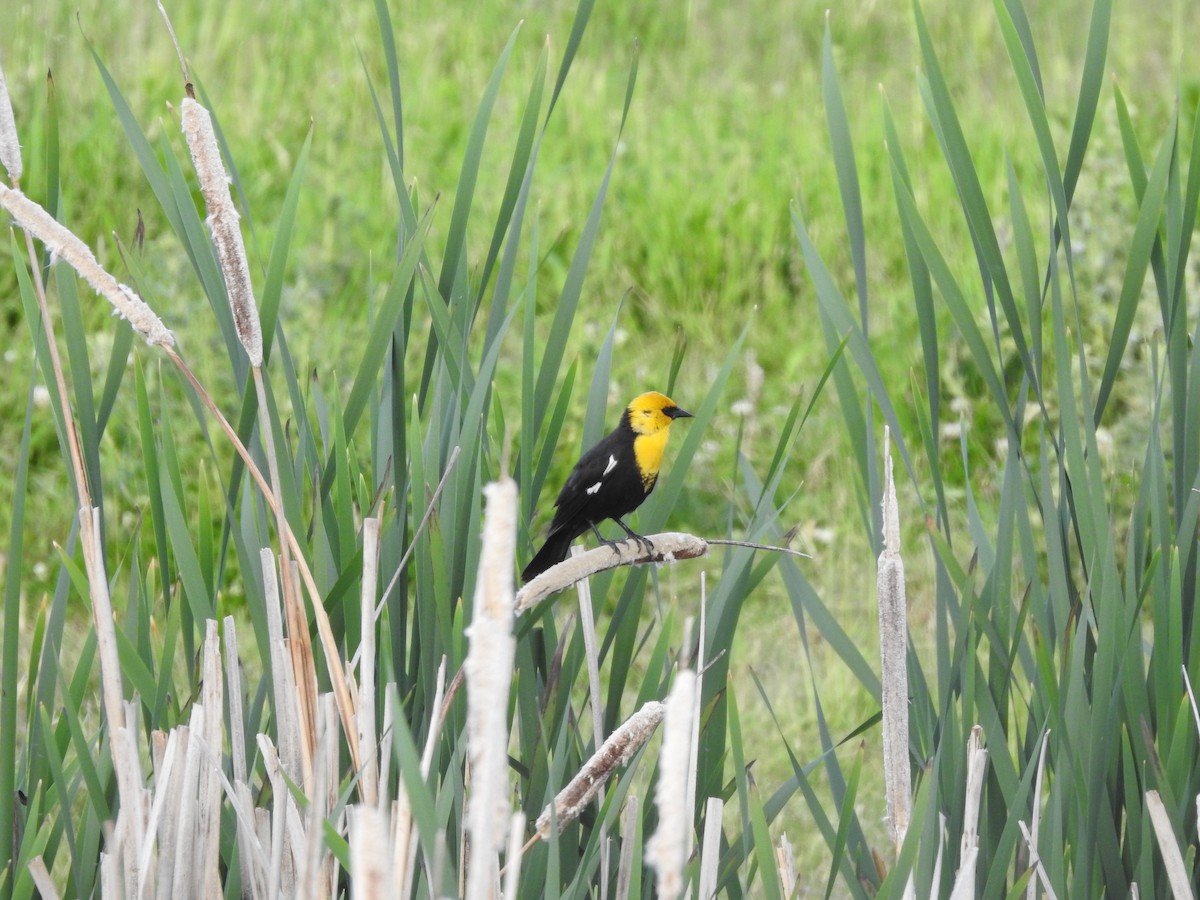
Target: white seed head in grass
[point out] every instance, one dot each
(613, 753)
(223, 224)
(10, 146)
(65, 246)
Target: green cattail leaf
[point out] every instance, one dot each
(1141, 246)
(970, 192)
(9, 643)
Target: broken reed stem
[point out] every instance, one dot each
(893, 651)
(964, 878)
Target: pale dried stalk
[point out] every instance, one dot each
(629, 824)
(223, 224)
(512, 859)
(489, 668)
(968, 858)
(404, 850)
(668, 547)
(785, 862)
(368, 784)
(371, 877)
(40, 874)
(710, 849)
(237, 729)
(1177, 870)
(591, 653)
(209, 794)
(1035, 863)
(666, 851)
(166, 749)
(699, 666)
(613, 753)
(937, 862)
(10, 145)
(893, 645)
(1032, 837)
(283, 831)
(293, 751)
(183, 877)
(66, 247)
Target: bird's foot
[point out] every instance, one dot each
(643, 542)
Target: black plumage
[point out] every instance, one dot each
(611, 480)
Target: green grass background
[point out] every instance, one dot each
(727, 128)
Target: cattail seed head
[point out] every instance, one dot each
(613, 753)
(65, 246)
(223, 221)
(10, 147)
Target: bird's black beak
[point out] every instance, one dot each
(676, 413)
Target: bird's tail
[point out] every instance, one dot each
(553, 552)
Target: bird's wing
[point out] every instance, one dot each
(581, 490)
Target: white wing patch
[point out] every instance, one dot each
(595, 488)
(612, 464)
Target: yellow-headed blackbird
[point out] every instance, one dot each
(611, 480)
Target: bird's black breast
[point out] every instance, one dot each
(605, 484)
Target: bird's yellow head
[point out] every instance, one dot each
(653, 412)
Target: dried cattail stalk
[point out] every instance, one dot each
(209, 794)
(668, 548)
(293, 750)
(613, 753)
(893, 647)
(369, 777)
(1032, 835)
(968, 858)
(1178, 874)
(629, 824)
(710, 850)
(785, 862)
(512, 859)
(67, 247)
(37, 866)
(10, 146)
(489, 668)
(666, 851)
(370, 870)
(223, 224)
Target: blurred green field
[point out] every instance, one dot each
(726, 130)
